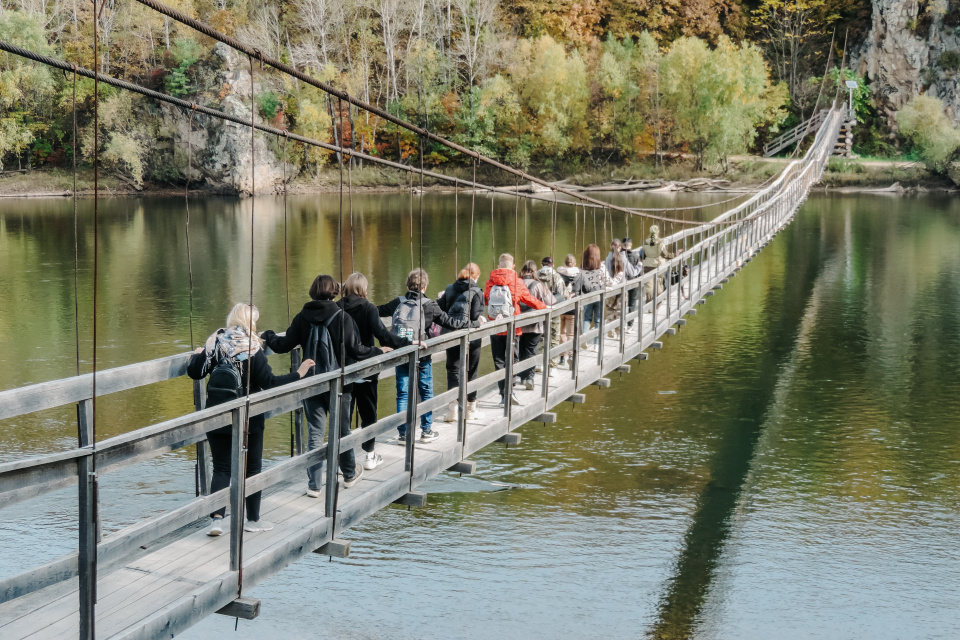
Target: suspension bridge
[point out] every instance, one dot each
(161, 575)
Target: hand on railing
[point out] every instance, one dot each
(305, 367)
(386, 349)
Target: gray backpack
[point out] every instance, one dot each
(409, 319)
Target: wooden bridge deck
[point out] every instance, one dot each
(164, 574)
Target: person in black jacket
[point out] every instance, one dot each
(371, 327)
(417, 282)
(460, 300)
(239, 342)
(345, 337)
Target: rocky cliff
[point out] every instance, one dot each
(913, 46)
(221, 151)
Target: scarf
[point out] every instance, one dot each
(233, 342)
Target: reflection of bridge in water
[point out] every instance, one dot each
(161, 575)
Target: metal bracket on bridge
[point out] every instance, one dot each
(243, 607)
(546, 418)
(412, 499)
(336, 548)
(464, 467)
(510, 438)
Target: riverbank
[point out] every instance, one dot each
(677, 174)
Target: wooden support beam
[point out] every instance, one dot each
(718, 287)
(707, 294)
(624, 368)
(546, 418)
(656, 345)
(243, 607)
(692, 312)
(725, 280)
(682, 322)
(701, 301)
(336, 548)
(603, 383)
(510, 438)
(467, 467)
(670, 331)
(642, 356)
(412, 499)
(577, 398)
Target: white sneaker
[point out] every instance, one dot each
(257, 526)
(372, 461)
(314, 493)
(453, 413)
(528, 385)
(539, 369)
(471, 409)
(216, 527)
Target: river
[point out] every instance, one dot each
(788, 466)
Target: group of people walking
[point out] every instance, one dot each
(335, 333)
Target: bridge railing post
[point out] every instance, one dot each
(601, 333)
(203, 447)
(238, 469)
(508, 369)
(296, 359)
(547, 340)
(88, 521)
(334, 416)
(462, 391)
(577, 331)
(413, 382)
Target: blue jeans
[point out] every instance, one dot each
(424, 386)
(592, 311)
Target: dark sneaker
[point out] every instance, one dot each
(402, 440)
(349, 482)
(428, 436)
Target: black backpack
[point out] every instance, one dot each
(462, 305)
(320, 346)
(225, 383)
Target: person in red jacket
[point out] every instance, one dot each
(504, 290)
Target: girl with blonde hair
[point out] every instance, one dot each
(233, 357)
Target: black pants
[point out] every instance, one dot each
(528, 347)
(221, 445)
(632, 302)
(317, 412)
(473, 366)
(365, 404)
(498, 347)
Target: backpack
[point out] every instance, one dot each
(501, 302)
(409, 319)
(462, 305)
(225, 383)
(587, 285)
(632, 264)
(320, 346)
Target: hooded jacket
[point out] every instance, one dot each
(654, 252)
(318, 312)
(592, 281)
(457, 289)
(432, 313)
(518, 291)
(369, 324)
(539, 291)
(554, 283)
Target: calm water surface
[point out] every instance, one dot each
(800, 480)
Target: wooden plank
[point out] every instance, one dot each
(244, 607)
(412, 499)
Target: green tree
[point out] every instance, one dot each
(717, 98)
(26, 88)
(925, 124)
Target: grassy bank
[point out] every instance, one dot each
(744, 172)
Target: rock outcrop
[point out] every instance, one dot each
(221, 150)
(902, 54)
